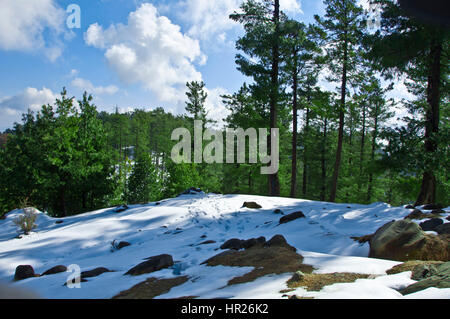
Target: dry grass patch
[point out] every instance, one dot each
(151, 288)
(265, 260)
(315, 282)
(410, 265)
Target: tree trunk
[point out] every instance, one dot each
(305, 154)
(274, 183)
(323, 162)
(294, 132)
(361, 151)
(372, 154)
(427, 193)
(337, 163)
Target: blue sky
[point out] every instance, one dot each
(127, 53)
(40, 55)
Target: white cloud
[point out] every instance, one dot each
(12, 108)
(209, 19)
(23, 24)
(149, 50)
(30, 98)
(87, 86)
(214, 105)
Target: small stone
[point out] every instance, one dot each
(251, 205)
(298, 276)
(24, 272)
(55, 270)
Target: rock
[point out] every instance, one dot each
(298, 276)
(291, 217)
(409, 207)
(24, 272)
(279, 241)
(431, 224)
(421, 272)
(233, 243)
(152, 264)
(278, 211)
(443, 229)
(123, 244)
(438, 277)
(94, 272)
(417, 214)
(59, 222)
(207, 242)
(252, 205)
(448, 218)
(432, 207)
(121, 208)
(404, 240)
(55, 270)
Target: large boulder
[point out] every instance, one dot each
(24, 272)
(404, 240)
(233, 243)
(443, 229)
(431, 224)
(152, 264)
(291, 217)
(437, 276)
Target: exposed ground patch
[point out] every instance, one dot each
(265, 260)
(151, 288)
(315, 282)
(410, 265)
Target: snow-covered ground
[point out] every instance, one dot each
(177, 225)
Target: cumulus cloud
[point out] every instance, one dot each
(210, 18)
(214, 105)
(12, 108)
(87, 86)
(149, 50)
(23, 24)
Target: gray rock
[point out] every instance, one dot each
(252, 205)
(431, 224)
(55, 270)
(152, 264)
(439, 278)
(291, 217)
(443, 229)
(94, 272)
(24, 272)
(396, 240)
(233, 243)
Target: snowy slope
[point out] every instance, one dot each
(176, 225)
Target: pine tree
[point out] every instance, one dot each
(405, 45)
(343, 25)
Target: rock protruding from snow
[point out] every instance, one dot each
(54, 270)
(431, 224)
(291, 217)
(279, 241)
(252, 205)
(94, 272)
(404, 240)
(237, 244)
(152, 264)
(443, 229)
(433, 276)
(24, 272)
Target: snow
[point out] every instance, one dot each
(176, 227)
